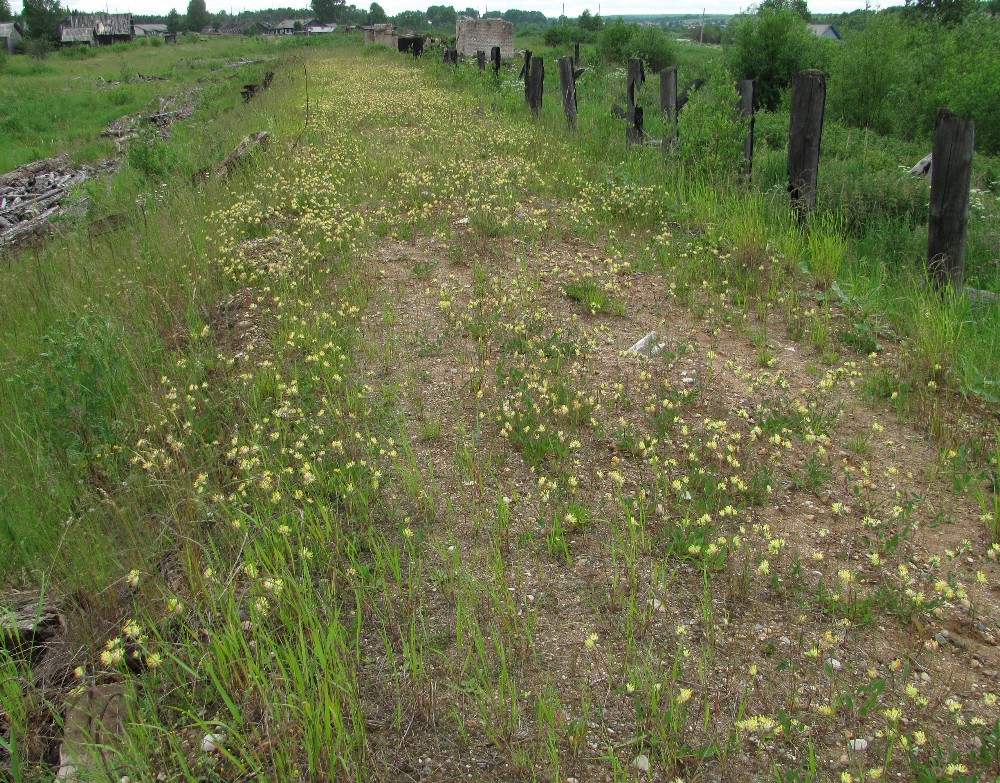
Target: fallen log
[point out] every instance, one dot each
(252, 144)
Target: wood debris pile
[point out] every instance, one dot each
(171, 109)
(34, 193)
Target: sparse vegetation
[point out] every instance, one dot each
(337, 468)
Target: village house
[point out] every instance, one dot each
(291, 26)
(94, 29)
(149, 30)
(10, 35)
(825, 31)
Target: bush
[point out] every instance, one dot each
(771, 46)
(565, 35)
(3, 59)
(619, 41)
(37, 48)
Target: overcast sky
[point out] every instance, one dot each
(552, 8)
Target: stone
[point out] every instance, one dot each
(91, 720)
(648, 346)
(210, 743)
(641, 763)
(858, 745)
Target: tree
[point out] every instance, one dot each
(470, 12)
(411, 20)
(442, 17)
(798, 7)
(947, 12)
(590, 22)
(328, 11)
(771, 46)
(197, 16)
(174, 21)
(5, 14)
(42, 18)
(377, 14)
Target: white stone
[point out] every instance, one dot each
(210, 743)
(641, 763)
(858, 745)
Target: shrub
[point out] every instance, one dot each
(3, 59)
(771, 46)
(653, 47)
(37, 48)
(612, 43)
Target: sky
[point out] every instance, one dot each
(551, 8)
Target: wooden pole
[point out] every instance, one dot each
(954, 138)
(481, 60)
(745, 89)
(526, 75)
(635, 76)
(668, 106)
(804, 135)
(495, 57)
(576, 54)
(567, 85)
(536, 81)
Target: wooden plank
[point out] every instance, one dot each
(495, 57)
(536, 83)
(567, 85)
(481, 60)
(668, 107)
(635, 75)
(745, 89)
(804, 135)
(954, 138)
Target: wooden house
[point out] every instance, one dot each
(149, 30)
(96, 29)
(10, 35)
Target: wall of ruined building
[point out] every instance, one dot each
(481, 35)
(382, 34)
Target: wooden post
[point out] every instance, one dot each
(804, 135)
(567, 85)
(745, 89)
(954, 138)
(635, 76)
(536, 81)
(526, 75)
(668, 106)
(576, 54)
(481, 60)
(495, 57)
(451, 56)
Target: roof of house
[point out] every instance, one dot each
(289, 24)
(150, 28)
(7, 28)
(822, 29)
(102, 24)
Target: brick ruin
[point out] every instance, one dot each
(475, 35)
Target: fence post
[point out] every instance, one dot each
(536, 82)
(745, 89)
(481, 60)
(668, 106)
(576, 54)
(526, 75)
(951, 173)
(635, 76)
(567, 85)
(804, 134)
(495, 57)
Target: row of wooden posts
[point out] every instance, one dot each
(951, 155)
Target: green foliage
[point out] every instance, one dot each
(710, 130)
(566, 34)
(5, 14)
(328, 10)
(377, 14)
(411, 20)
(37, 48)
(893, 76)
(42, 18)
(174, 21)
(798, 7)
(441, 17)
(771, 47)
(590, 22)
(197, 15)
(619, 41)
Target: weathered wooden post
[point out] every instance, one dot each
(745, 89)
(804, 135)
(495, 57)
(536, 80)
(451, 56)
(526, 75)
(567, 85)
(951, 174)
(668, 106)
(576, 54)
(481, 60)
(635, 76)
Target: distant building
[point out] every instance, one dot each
(825, 31)
(481, 35)
(10, 35)
(290, 26)
(316, 26)
(382, 34)
(149, 30)
(96, 29)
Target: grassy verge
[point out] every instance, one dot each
(369, 488)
